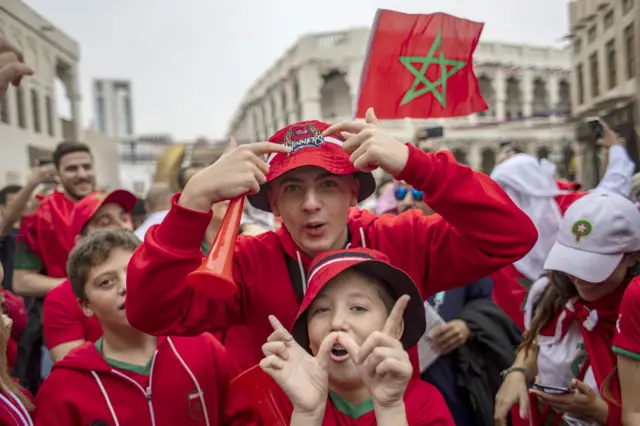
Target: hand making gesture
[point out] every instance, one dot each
(239, 171)
(300, 375)
(382, 361)
(370, 146)
(12, 66)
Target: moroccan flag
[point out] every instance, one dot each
(420, 66)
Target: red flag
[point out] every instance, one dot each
(420, 66)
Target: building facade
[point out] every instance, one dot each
(606, 83)
(527, 89)
(30, 124)
(113, 107)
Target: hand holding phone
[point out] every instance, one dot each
(595, 126)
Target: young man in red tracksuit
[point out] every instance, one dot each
(312, 179)
(344, 362)
(128, 377)
(64, 324)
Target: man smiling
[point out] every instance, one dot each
(313, 177)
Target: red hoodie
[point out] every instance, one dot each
(186, 374)
(479, 231)
(12, 411)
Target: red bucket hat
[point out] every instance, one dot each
(84, 209)
(328, 265)
(310, 148)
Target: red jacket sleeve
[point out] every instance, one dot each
(159, 301)
(477, 230)
(59, 324)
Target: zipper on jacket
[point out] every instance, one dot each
(146, 392)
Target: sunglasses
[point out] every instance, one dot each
(401, 193)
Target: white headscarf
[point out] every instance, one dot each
(532, 187)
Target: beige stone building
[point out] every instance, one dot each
(605, 83)
(30, 125)
(526, 87)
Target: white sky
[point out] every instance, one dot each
(191, 64)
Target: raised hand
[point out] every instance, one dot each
(382, 361)
(370, 146)
(12, 67)
(239, 171)
(301, 376)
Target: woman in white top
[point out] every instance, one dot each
(570, 317)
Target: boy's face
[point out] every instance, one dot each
(314, 206)
(106, 290)
(351, 303)
(109, 216)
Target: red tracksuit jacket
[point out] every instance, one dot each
(479, 231)
(12, 411)
(83, 389)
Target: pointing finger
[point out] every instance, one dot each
(14, 72)
(230, 145)
(346, 126)
(349, 344)
(394, 321)
(324, 351)
(262, 148)
(370, 117)
(277, 325)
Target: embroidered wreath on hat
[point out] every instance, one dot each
(581, 228)
(299, 137)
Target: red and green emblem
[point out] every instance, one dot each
(581, 228)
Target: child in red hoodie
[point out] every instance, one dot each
(128, 377)
(344, 362)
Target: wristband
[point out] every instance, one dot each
(510, 370)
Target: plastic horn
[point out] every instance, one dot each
(256, 388)
(214, 277)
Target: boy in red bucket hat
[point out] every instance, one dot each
(313, 177)
(345, 360)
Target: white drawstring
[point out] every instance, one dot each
(193, 379)
(302, 273)
(364, 242)
(106, 397)
(148, 392)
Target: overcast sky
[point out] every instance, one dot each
(191, 64)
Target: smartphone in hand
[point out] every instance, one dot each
(552, 389)
(595, 127)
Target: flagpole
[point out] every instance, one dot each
(365, 65)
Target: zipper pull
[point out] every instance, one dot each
(148, 394)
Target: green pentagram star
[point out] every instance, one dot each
(420, 75)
